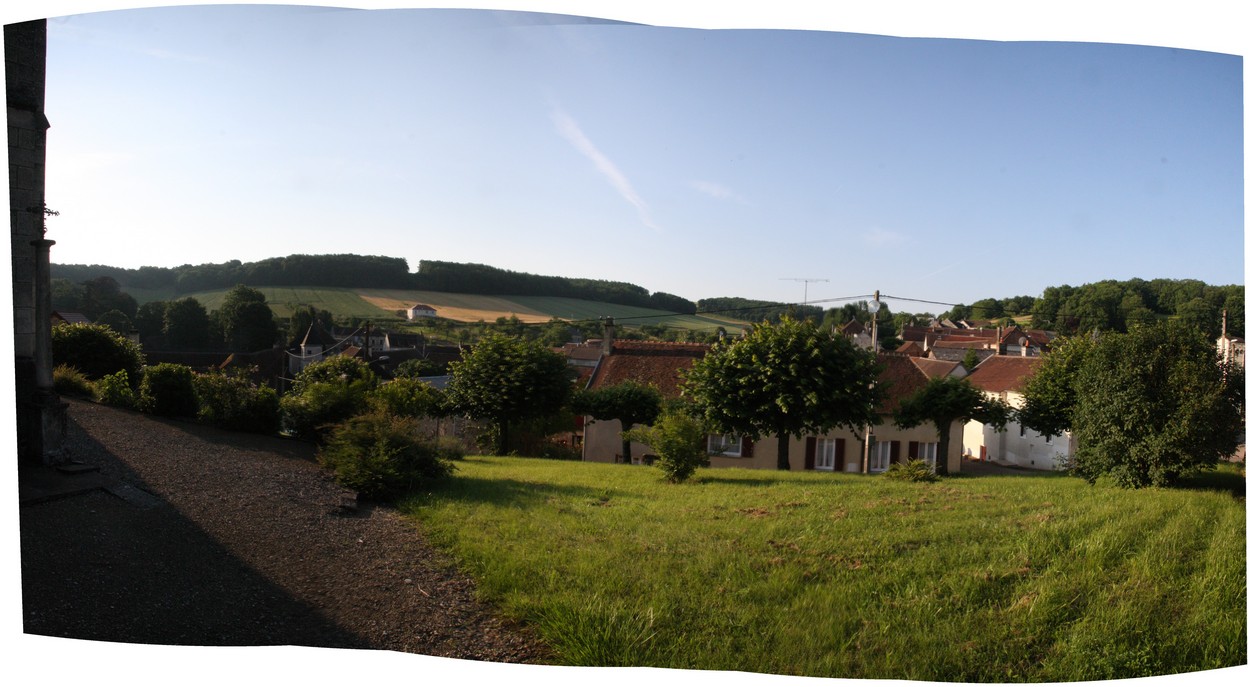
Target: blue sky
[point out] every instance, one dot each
(691, 161)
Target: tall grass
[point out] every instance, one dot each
(969, 579)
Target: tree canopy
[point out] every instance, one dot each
(944, 401)
(504, 379)
(246, 321)
(1146, 407)
(631, 402)
(786, 379)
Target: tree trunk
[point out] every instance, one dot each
(501, 440)
(783, 451)
(626, 453)
(944, 442)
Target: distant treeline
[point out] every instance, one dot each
(758, 311)
(372, 271)
(1112, 305)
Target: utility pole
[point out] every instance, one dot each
(805, 283)
(873, 307)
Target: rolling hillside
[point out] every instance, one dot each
(387, 303)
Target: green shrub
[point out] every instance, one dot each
(96, 351)
(914, 470)
(381, 456)
(115, 390)
(408, 397)
(168, 389)
(335, 369)
(310, 413)
(325, 393)
(679, 441)
(68, 381)
(236, 403)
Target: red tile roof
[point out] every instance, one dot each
(901, 377)
(647, 362)
(933, 368)
(1000, 373)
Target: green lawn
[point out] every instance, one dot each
(998, 579)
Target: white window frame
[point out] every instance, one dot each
(879, 457)
(826, 454)
(729, 445)
(927, 451)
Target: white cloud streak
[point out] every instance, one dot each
(715, 190)
(570, 130)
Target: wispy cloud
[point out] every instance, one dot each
(715, 190)
(570, 130)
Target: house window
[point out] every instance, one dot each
(879, 457)
(724, 445)
(927, 451)
(826, 453)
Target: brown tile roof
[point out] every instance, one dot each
(933, 368)
(1001, 373)
(962, 342)
(648, 362)
(852, 328)
(912, 348)
(901, 378)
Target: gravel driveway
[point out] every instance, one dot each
(202, 537)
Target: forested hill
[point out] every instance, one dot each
(372, 271)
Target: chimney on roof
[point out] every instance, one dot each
(609, 331)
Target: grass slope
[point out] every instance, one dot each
(383, 303)
(998, 579)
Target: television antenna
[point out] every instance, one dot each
(805, 281)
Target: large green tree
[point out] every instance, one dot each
(1146, 407)
(246, 321)
(944, 401)
(631, 402)
(188, 326)
(505, 379)
(788, 379)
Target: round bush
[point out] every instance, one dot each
(115, 390)
(168, 389)
(382, 456)
(96, 350)
(236, 403)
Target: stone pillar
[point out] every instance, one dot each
(40, 414)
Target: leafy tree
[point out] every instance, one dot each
(246, 321)
(970, 359)
(96, 351)
(103, 294)
(66, 295)
(187, 325)
(504, 379)
(631, 402)
(115, 320)
(408, 397)
(945, 401)
(420, 367)
(677, 437)
(302, 318)
(1050, 394)
(1147, 407)
(334, 369)
(787, 379)
(150, 319)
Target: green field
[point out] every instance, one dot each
(971, 579)
(384, 303)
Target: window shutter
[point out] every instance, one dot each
(896, 450)
(839, 454)
(913, 449)
(748, 447)
(809, 454)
